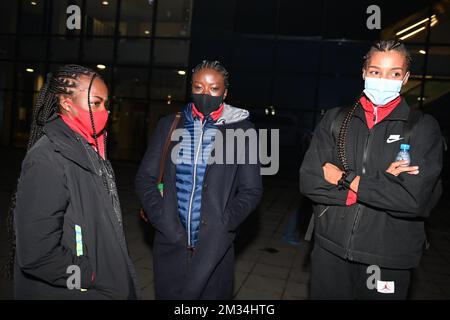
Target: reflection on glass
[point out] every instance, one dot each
(439, 61)
(8, 12)
(171, 52)
(134, 51)
(6, 76)
(168, 85)
(136, 18)
(24, 112)
(32, 48)
(131, 82)
(100, 19)
(418, 57)
(126, 131)
(30, 76)
(32, 16)
(99, 50)
(174, 18)
(441, 30)
(244, 85)
(342, 57)
(7, 47)
(64, 49)
(5, 110)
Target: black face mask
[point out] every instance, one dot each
(206, 103)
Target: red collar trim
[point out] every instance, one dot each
(214, 115)
(382, 111)
(76, 128)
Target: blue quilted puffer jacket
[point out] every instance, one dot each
(196, 145)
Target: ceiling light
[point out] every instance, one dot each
(101, 66)
(105, 3)
(422, 52)
(181, 72)
(412, 33)
(29, 70)
(433, 21)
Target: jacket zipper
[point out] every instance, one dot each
(358, 210)
(194, 185)
(375, 115)
(366, 150)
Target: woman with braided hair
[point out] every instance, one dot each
(370, 209)
(69, 240)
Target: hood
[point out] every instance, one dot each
(67, 142)
(232, 114)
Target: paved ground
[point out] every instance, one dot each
(266, 266)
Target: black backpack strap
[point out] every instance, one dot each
(413, 118)
(337, 122)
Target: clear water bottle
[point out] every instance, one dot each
(404, 154)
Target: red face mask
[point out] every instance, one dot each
(83, 120)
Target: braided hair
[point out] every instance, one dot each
(342, 137)
(378, 46)
(63, 82)
(388, 45)
(215, 65)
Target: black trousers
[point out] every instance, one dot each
(335, 278)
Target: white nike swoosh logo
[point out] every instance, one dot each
(391, 140)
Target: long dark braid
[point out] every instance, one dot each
(90, 112)
(46, 106)
(94, 131)
(342, 138)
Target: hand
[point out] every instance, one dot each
(331, 173)
(396, 168)
(143, 215)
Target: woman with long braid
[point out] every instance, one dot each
(69, 241)
(369, 208)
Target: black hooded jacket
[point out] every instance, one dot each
(61, 187)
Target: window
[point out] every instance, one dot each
(171, 52)
(134, 51)
(7, 47)
(101, 18)
(174, 17)
(8, 16)
(136, 18)
(65, 49)
(6, 76)
(168, 85)
(32, 17)
(99, 50)
(32, 48)
(30, 76)
(126, 139)
(131, 82)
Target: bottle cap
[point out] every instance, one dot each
(404, 146)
